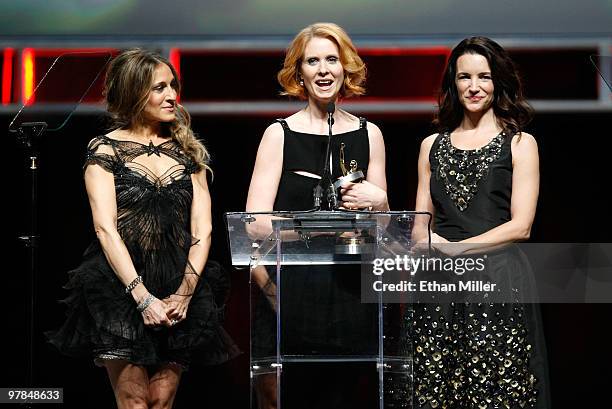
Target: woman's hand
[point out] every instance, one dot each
(176, 307)
(451, 249)
(155, 314)
(422, 245)
(269, 291)
(363, 195)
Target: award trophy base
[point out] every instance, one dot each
(353, 177)
(355, 245)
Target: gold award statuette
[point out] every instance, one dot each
(350, 175)
(355, 242)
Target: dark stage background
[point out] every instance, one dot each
(573, 207)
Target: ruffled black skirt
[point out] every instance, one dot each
(102, 321)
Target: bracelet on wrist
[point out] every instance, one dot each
(133, 284)
(304, 236)
(144, 304)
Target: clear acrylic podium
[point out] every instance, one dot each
(310, 322)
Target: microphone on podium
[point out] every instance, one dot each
(325, 185)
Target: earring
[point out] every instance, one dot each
(301, 82)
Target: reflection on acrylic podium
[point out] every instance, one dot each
(316, 340)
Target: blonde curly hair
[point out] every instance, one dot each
(129, 78)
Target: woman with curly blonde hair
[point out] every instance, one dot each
(145, 302)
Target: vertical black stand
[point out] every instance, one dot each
(29, 134)
(332, 198)
(325, 187)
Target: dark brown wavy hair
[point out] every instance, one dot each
(128, 82)
(511, 109)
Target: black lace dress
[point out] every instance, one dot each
(477, 355)
(153, 219)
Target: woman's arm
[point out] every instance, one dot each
(201, 230)
(525, 190)
(100, 187)
(373, 191)
(420, 230)
(265, 180)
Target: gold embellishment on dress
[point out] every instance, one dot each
(471, 356)
(462, 170)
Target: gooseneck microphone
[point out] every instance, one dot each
(331, 108)
(325, 187)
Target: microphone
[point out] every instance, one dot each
(325, 184)
(332, 197)
(331, 108)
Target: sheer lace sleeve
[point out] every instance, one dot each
(101, 152)
(191, 166)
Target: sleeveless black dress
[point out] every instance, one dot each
(153, 219)
(321, 310)
(477, 355)
(306, 152)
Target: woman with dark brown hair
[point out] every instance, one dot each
(479, 177)
(145, 303)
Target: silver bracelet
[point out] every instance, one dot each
(144, 304)
(133, 284)
(305, 237)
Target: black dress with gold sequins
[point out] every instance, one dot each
(476, 355)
